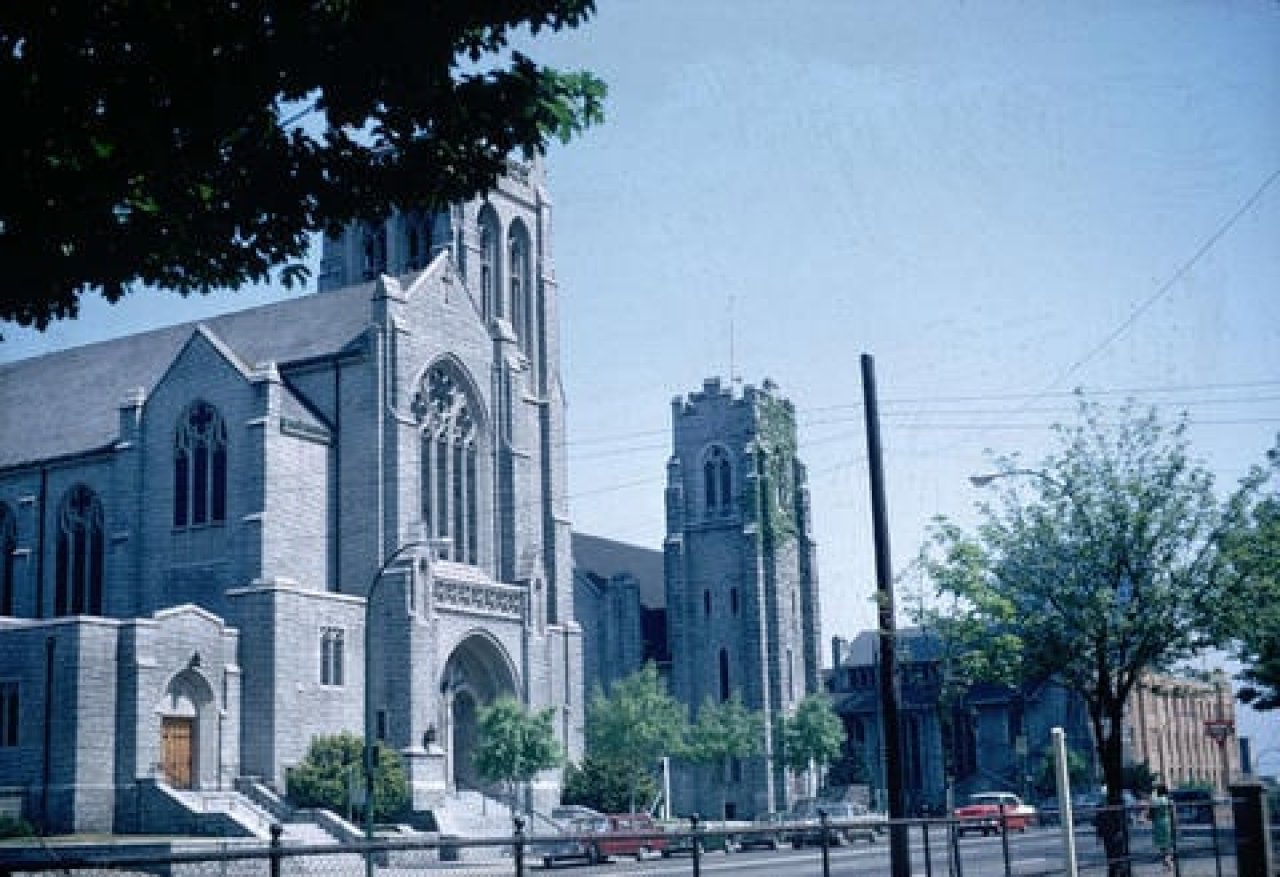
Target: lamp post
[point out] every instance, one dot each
(369, 758)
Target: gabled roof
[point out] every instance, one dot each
(68, 402)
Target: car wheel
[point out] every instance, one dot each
(547, 862)
(771, 845)
(642, 854)
(593, 856)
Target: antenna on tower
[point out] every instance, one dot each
(732, 375)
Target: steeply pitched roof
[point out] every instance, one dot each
(68, 402)
(606, 557)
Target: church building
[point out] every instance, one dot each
(221, 539)
(741, 580)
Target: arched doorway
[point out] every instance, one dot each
(477, 672)
(181, 711)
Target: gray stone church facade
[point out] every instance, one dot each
(197, 523)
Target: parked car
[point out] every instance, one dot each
(596, 839)
(847, 821)
(768, 832)
(1192, 806)
(989, 812)
(712, 837)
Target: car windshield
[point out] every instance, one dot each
(986, 798)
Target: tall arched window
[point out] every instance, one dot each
(417, 240)
(724, 674)
(8, 544)
(717, 481)
(520, 285)
(80, 558)
(491, 301)
(200, 467)
(450, 493)
(373, 247)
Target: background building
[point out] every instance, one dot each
(741, 581)
(1167, 726)
(982, 738)
(197, 515)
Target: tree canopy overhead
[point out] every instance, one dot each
(162, 143)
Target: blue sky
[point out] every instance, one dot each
(1000, 201)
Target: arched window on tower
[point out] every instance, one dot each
(491, 301)
(79, 564)
(717, 481)
(519, 281)
(8, 545)
(450, 493)
(200, 467)
(724, 675)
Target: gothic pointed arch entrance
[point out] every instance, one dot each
(184, 708)
(478, 671)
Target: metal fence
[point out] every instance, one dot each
(1201, 849)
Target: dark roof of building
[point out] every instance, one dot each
(913, 644)
(607, 557)
(68, 402)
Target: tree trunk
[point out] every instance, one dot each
(1111, 822)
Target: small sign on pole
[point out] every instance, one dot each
(1218, 730)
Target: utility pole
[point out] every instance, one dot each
(899, 842)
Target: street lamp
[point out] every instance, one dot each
(415, 544)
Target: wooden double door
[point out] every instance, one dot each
(177, 750)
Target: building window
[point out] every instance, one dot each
(791, 680)
(200, 467)
(79, 564)
(332, 656)
(520, 274)
(373, 250)
(724, 675)
(491, 303)
(417, 240)
(733, 600)
(8, 714)
(450, 494)
(717, 481)
(706, 603)
(8, 545)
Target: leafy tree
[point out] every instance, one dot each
(812, 736)
(333, 761)
(607, 786)
(1254, 553)
(514, 744)
(850, 769)
(164, 144)
(1139, 778)
(636, 724)
(724, 730)
(1094, 567)
(1045, 779)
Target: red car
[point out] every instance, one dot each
(988, 812)
(596, 839)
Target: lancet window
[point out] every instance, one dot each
(450, 492)
(717, 481)
(80, 561)
(8, 545)
(200, 467)
(490, 298)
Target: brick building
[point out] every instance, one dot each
(194, 518)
